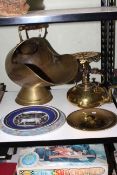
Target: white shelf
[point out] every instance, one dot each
(65, 132)
(61, 15)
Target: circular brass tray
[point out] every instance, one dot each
(92, 119)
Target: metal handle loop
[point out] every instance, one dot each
(31, 27)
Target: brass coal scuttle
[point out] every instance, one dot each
(35, 66)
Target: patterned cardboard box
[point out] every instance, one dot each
(83, 159)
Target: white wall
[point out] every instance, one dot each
(65, 38)
(57, 4)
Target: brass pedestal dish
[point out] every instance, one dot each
(88, 94)
(92, 119)
(35, 66)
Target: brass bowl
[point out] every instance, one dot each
(92, 119)
(37, 54)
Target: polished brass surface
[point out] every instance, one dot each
(88, 94)
(37, 55)
(34, 63)
(92, 119)
(33, 95)
(92, 97)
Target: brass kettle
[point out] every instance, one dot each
(35, 66)
(89, 94)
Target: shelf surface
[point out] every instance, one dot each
(62, 15)
(65, 132)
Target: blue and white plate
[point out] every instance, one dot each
(32, 120)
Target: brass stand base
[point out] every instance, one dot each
(91, 97)
(33, 96)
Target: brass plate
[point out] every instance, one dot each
(92, 119)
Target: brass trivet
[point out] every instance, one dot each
(87, 56)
